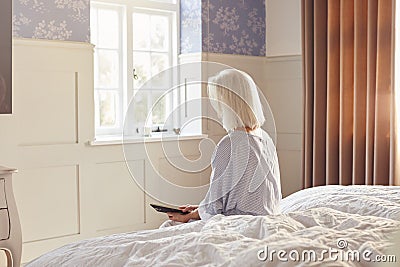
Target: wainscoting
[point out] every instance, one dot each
(283, 89)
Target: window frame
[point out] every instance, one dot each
(120, 87)
(126, 60)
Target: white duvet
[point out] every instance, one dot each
(315, 222)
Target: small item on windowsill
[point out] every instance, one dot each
(158, 130)
(147, 131)
(177, 131)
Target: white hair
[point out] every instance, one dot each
(234, 96)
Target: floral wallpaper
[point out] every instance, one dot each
(228, 27)
(218, 26)
(66, 20)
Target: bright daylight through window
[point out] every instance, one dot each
(134, 40)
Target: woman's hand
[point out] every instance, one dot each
(174, 216)
(186, 208)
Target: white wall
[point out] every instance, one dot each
(284, 86)
(283, 89)
(283, 27)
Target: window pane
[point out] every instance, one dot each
(159, 33)
(140, 102)
(109, 24)
(141, 63)
(108, 69)
(159, 111)
(159, 62)
(107, 107)
(141, 26)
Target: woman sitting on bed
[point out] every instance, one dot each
(245, 176)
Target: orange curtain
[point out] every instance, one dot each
(348, 110)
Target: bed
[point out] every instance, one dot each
(333, 225)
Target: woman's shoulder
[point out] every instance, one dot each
(223, 149)
(231, 142)
(225, 142)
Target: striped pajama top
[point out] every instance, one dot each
(245, 177)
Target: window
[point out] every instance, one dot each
(132, 39)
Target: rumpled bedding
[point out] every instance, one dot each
(320, 220)
(381, 201)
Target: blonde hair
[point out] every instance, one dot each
(234, 96)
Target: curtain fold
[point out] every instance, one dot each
(319, 100)
(360, 92)
(346, 91)
(371, 81)
(333, 93)
(347, 68)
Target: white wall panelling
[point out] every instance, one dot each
(114, 186)
(35, 187)
(283, 88)
(59, 90)
(187, 176)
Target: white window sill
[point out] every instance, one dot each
(117, 140)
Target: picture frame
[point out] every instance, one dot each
(6, 57)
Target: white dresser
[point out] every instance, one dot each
(10, 227)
